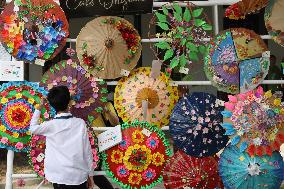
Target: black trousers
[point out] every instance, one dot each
(101, 181)
(63, 186)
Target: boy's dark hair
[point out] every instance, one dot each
(59, 98)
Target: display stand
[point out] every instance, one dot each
(214, 4)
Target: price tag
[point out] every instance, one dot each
(124, 72)
(184, 70)
(146, 132)
(39, 62)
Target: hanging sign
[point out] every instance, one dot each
(90, 8)
(109, 138)
(11, 71)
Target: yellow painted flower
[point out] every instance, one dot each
(15, 135)
(277, 102)
(74, 81)
(268, 94)
(4, 100)
(31, 100)
(28, 133)
(137, 158)
(18, 95)
(282, 111)
(134, 178)
(64, 78)
(242, 158)
(158, 159)
(2, 128)
(137, 136)
(116, 156)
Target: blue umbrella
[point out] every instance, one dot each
(240, 171)
(195, 125)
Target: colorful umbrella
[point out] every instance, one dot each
(195, 125)
(36, 153)
(255, 121)
(240, 171)
(242, 8)
(18, 101)
(138, 86)
(237, 61)
(88, 93)
(183, 171)
(184, 30)
(274, 20)
(113, 47)
(138, 161)
(33, 29)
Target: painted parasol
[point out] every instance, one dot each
(274, 20)
(184, 30)
(113, 47)
(36, 153)
(183, 171)
(33, 29)
(139, 86)
(195, 125)
(240, 171)
(138, 161)
(87, 93)
(242, 8)
(255, 121)
(237, 61)
(18, 101)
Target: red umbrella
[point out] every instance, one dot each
(183, 171)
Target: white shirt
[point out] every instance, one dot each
(68, 156)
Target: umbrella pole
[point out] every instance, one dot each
(145, 108)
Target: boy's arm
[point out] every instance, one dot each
(88, 152)
(35, 127)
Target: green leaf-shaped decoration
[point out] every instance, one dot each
(199, 22)
(104, 99)
(191, 47)
(165, 10)
(163, 45)
(202, 49)
(161, 17)
(193, 56)
(91, 119)
(180, 29)
(57, 67)
(178, 9)
(163, 26)
(183, 41)
(99, 109)
(178, 16)
(207, 27)
(18, 2)
(104, 91)
(186, 15)
(182, 60)
(51, 70)
(178, 36)
(169, 54)
(197, 12)
(174, 62)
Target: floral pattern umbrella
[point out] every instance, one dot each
(274, 20)
(18, 101)
(36, 153)
(183, 171)
(184, 31)
(113, 47)
(195, 125)
(87, 92)
(33, 29)
(254, 121)
(240, 171)
(138, 161)
(242, 8)
(237, 61)
(138, 86)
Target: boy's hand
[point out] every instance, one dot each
(41, 105)
(91, 183)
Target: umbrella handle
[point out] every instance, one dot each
(145, 104)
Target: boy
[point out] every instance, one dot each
(68, 158)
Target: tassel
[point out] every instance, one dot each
(268, 150)
(259, 151)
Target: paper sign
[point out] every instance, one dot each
(183, 70)
(39, 62)
(124, 72)
(266, 54)
(109, 138)
(145, 109)
(11, 71)
(219, 102)
(146, 132)
(40, 157)
(156, 68)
